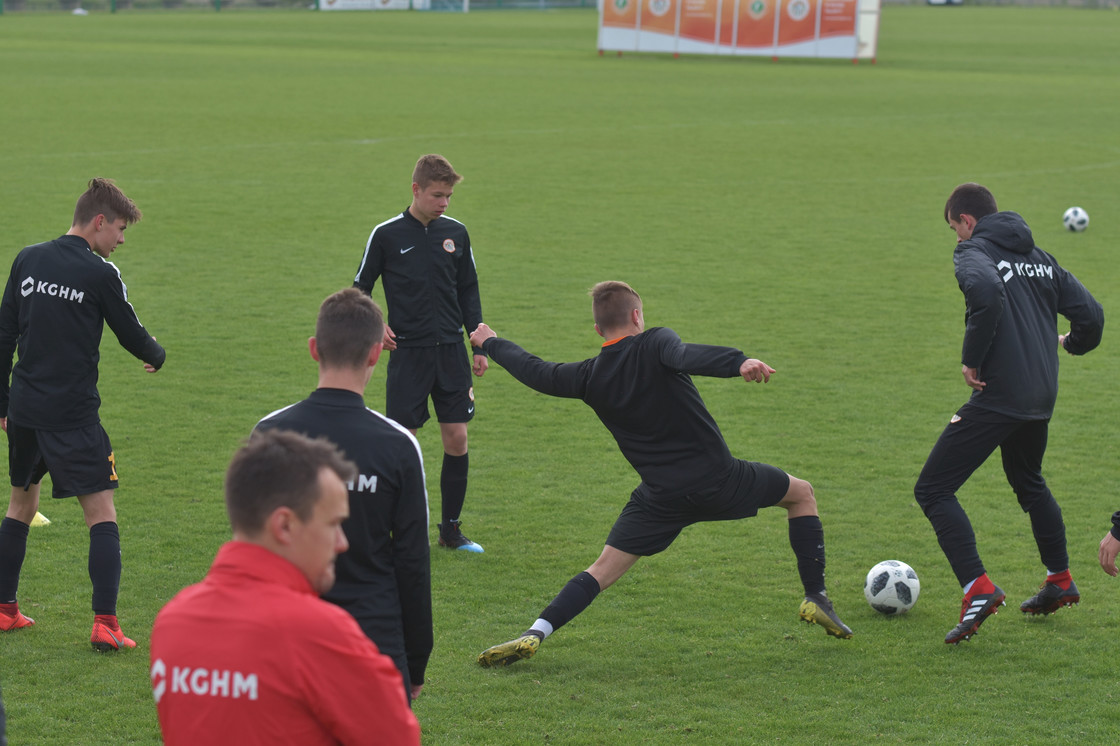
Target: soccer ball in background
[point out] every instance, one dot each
(892, 587)
(1075, 219)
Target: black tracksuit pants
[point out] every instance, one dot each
(971, 436)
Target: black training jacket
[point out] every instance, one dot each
(384, 578)
(429, 277)
(1013, 294)
(640, 388)
(58, 296)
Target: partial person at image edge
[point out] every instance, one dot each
(59, 296)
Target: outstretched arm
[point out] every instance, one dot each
(756, 370)
(554, 379)
(707, 360)
(481, 334)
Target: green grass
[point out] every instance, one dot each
(792, 209)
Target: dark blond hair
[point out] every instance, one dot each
(348, 327)
(611, 304)
(279, 469)
(432, 168)
(103, 197)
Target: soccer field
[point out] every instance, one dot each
(792, 209)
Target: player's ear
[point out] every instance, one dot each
(600, 332)
(374, 353)
(279, 525)
(313, 347)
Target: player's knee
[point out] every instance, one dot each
(924, 496)
(800, 497)
(1037, 499)
(454, 439)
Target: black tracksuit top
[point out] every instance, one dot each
(384, 578)
(1013, 294)
(429, 277)
(640, 388)
(58, 296)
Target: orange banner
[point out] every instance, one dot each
(727, 22)
(620, 13)
(698, 19)
(805, 28)
(756, 23)
(659, 16)
(838, 18)
(799, 21)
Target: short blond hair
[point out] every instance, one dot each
(611, 303)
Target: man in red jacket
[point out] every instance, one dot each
(252, 655)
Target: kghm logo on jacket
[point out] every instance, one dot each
(203, 682)
(1023, 269)
(53, 289)
(365, 483)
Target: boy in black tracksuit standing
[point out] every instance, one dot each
(384, 578)
(1013, 292)
(59, 296)
(640, 388)
(426, 266)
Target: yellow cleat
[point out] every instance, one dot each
(817, 609)
(510, 652)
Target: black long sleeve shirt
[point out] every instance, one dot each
(429, 276)
(640, 388)
(384, 578)
(58, 297)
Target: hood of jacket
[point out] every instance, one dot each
(1006, 230)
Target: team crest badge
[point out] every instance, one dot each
(954, 419)
(449, 246)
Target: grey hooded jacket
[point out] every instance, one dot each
(1013, 293)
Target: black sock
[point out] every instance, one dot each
(105, 566)
(806, 537)
(576, 595)
(13, 547)
(453, 485)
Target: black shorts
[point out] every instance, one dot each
(80, 461)
(415, 373)
(648, 525)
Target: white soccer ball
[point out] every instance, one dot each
(892, 587)
(1075, 219)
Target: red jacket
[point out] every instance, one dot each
(251, 655)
